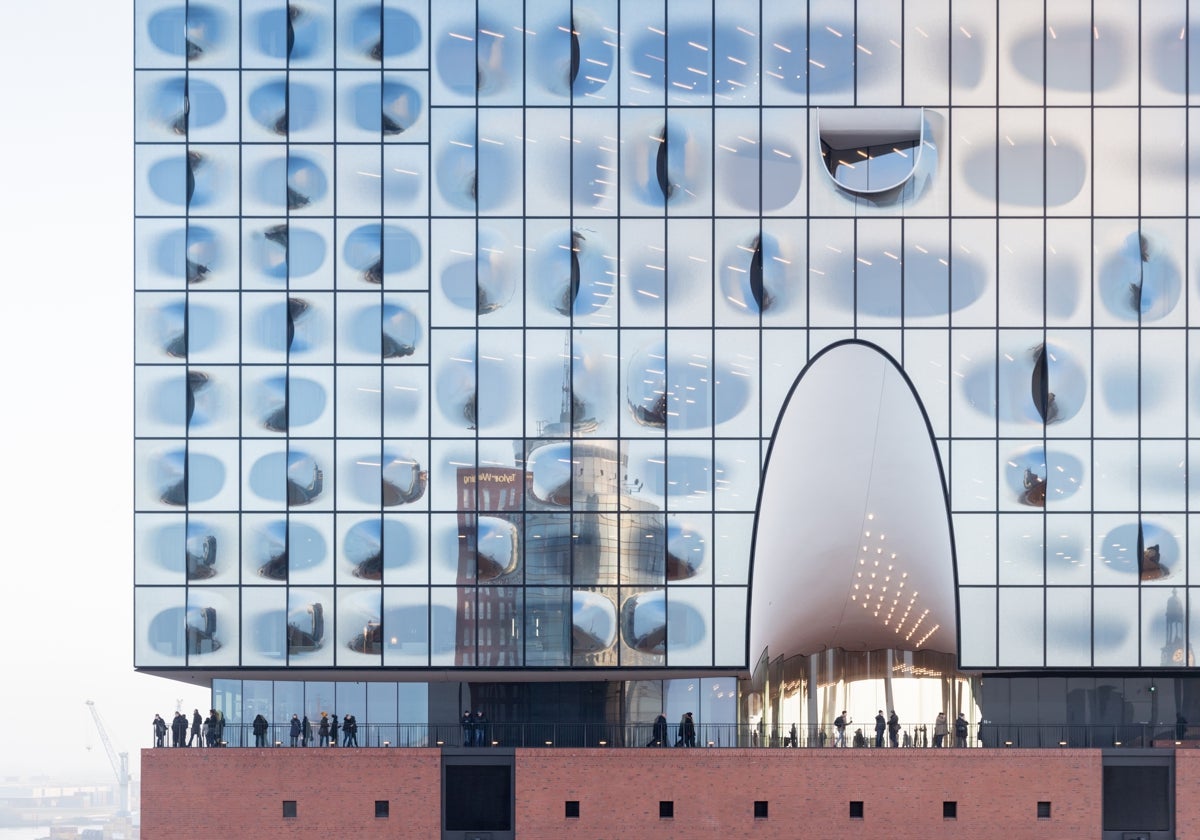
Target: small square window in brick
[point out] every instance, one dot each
(382, 808)
(856, 810)
(949, 810)
(289, 808)
(1043, 810)
(571, 811)
(666, 810)
(760, 809)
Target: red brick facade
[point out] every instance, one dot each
(996, 793)
(236, 793)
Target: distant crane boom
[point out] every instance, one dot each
(120, 764)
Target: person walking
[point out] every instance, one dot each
(960, 730)
(197, 722)
(323, 730)
(160, 731)
(658, 735)
(839, 727)
(333, 728)
(880, 728)
(294, 731)
(260, 730)
(349, 731)
(893, 726)
(939, 730)
(687, 730)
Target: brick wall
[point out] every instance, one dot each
(902, 792)
(238, 793)
(230, 794)
(1187, 803)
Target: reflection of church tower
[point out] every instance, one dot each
(1176, 650)
(572, 414)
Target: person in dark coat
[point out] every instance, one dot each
(893, 726)
(333, 728)
(260, 730)
(880, 726)
(687, 730)
(481, 723)
(658, 737)
(960, 730)
(197, 722)
(468, 728)
(305, 732)
(294, 732)
(179, 727)
(349, 731)
(218, 728)
(160, 731)
(323, 730)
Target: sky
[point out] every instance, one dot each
(66, 410)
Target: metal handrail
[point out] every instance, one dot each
(720, 735)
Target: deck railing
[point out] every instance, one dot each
(718, 735)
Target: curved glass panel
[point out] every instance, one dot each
(593, 622)
(871, 151)
(190, 30)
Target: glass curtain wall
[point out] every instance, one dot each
(462, 327)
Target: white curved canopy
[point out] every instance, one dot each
(853, 544)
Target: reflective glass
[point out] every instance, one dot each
(462, 332)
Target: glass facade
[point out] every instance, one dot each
(464, 328)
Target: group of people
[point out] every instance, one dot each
(890, 725)
(300, 731)
(474, 727)
(205, 732)
(685, 734)
(941, 730)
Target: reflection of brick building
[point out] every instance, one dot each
(519, 543)
(487, 620)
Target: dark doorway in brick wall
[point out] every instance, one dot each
(477, 794)
(1139, 794)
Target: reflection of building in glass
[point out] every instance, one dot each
(477, 338)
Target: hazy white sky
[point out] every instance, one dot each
(66, 351)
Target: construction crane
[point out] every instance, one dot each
(120, 764)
